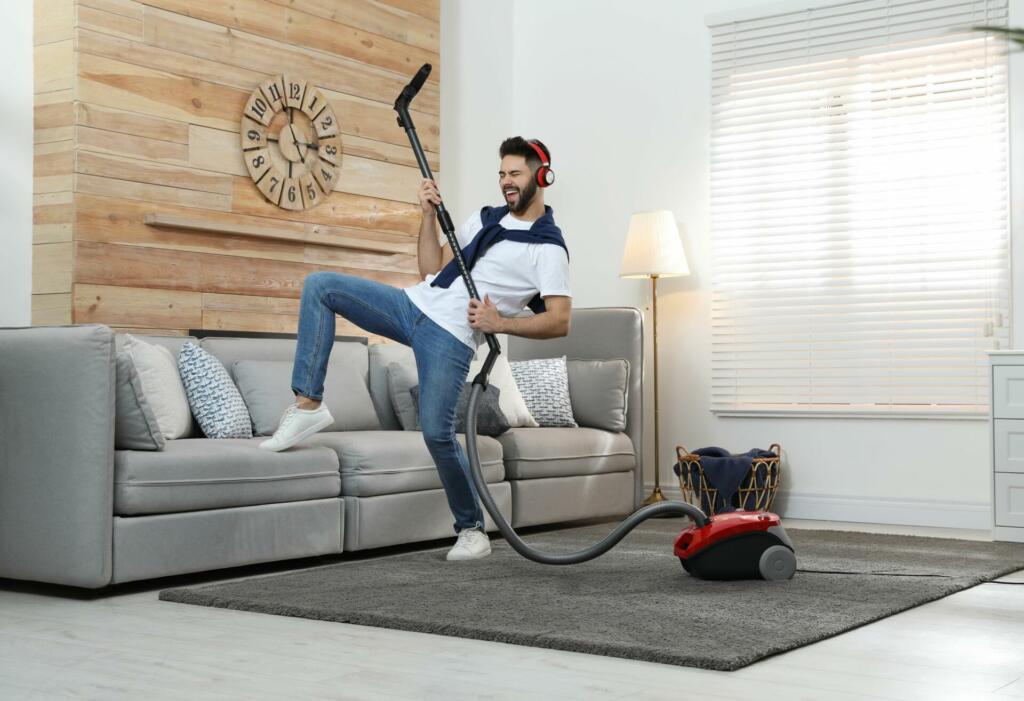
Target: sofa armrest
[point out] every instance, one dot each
(601, 333)
(57, 454)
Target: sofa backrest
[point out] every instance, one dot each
(171, 343)
(229, 350)
(601, 334)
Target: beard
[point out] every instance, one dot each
(524, 200)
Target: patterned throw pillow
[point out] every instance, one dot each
(216, 402)
(544, 384)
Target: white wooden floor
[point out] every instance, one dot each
(133, 646)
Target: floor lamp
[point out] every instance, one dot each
(653, 250)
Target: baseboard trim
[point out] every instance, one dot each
(902, 512)
(1009, 534)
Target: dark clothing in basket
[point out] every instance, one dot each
(725, 472)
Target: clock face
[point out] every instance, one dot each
(291, 143)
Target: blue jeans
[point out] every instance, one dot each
(442, 363)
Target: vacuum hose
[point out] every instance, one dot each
(674, 508)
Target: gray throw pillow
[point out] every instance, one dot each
(402, 378)
(598, 390)
(266, 387)
(135, 425)
(544, 384)
(490, 420)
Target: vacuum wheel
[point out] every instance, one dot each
(777, 563)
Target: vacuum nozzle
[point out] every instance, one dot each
(410, 90)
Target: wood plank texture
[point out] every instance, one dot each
(51, 267)
(292, 26)
(134, 124)
(137, 306)
(51, 309)
(54, 66)
(138, 109)
(326, 236)
(241, 50)
(377, 19)
(52, 20)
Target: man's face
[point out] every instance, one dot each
(517, 184)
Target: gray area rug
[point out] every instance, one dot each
(635, 602)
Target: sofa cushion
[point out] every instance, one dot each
(135, 425)
(192, 474)
(392, 462)
(380, 356)
(215, 401)
(490, 420)
(403, 413)
(598, 391)
(158, 374)
(401, 379)
(266, 386)
(532, 453)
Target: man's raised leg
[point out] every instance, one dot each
(373, 306)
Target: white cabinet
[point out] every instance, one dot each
(1007, 426)
(1010, 500)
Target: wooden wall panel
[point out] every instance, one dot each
(53, 161)
(290, 25)
(137, 307)
(137, 118)
(51, 310)
(214, 44)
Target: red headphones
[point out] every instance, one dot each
(545, 176)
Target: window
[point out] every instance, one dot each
(859, 208)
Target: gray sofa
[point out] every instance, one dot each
(76, 511)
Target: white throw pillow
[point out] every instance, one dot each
(158, 374)
(214, 399)
(544, 383)
(510, 400)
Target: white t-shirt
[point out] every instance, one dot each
(510, 272)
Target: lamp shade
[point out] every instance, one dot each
(653, 247)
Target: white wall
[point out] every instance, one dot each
(16, 165)
(476, 51)
(621, 94)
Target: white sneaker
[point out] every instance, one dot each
(472, 544)
(296, 425)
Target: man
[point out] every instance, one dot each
(516, 256)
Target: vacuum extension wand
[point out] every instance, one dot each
(677, 508)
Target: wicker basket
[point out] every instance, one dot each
(756, 492)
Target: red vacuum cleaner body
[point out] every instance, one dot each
(738, 545)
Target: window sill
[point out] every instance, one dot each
(796, 413)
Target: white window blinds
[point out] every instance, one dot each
(860, 208)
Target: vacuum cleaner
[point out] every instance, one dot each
(738, 545)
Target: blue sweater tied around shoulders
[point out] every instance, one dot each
(543, 230)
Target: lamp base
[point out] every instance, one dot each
(657, 497)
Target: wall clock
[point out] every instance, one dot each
(291, 143)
